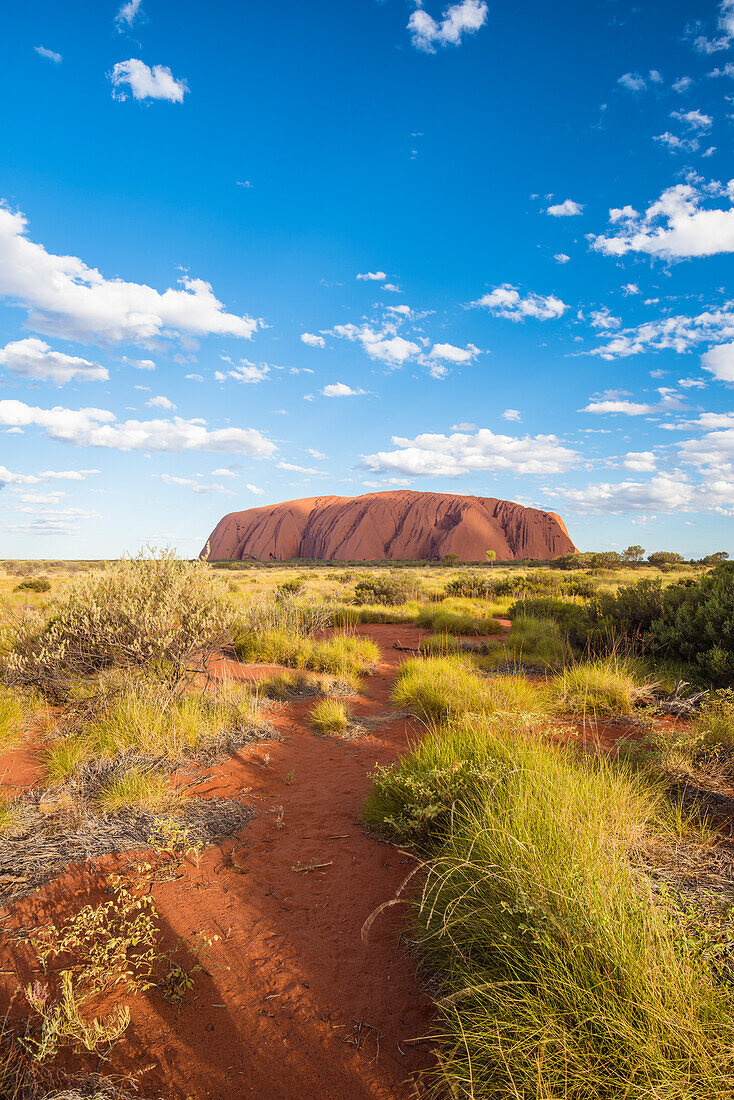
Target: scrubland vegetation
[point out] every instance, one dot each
(563, 907)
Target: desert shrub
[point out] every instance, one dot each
(697, 624)
(603, 686)
(561, 971)
(282, 686)
(329, 717)
(291, 587)
(286, 615)
(631, 610)
(34, 584)
(343, 656)
(471, 586)
(437, 645)
(388, 591)
(447, 687)
(143, 612)
(140, 789)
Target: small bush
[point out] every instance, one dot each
(387, 591)
(34, 584)
(329, 717)
(140, 612)
(447, 687)
(471, 586)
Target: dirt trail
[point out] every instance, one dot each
(293, 1005)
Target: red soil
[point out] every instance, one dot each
(398, 525)
(293, 1005)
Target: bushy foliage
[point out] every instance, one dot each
(387, 591)
(697, 624)
(144, 612)
(34, 584)
(471, 586)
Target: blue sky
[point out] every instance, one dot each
(251, 252)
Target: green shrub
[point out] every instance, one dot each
(34, 584)
(697, 624)
(387, 591)
(471, 586)
(535, 642)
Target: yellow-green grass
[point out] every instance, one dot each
(14, 718)
(139, 789)
(446, 621)
(330, 717)
(9, 815)
(343, 656)
(143, 719)
(446, 687)
(607, 686)
(562, 972)
(536, 642)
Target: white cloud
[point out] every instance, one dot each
(632, 82)
(695, 119)
(127, 13)
(340, 389)
(9, 477)
(160, 402)
(506, 301)
(630, 288)
(561, 258)
(313, 340)
(32, 358)
(144, 364)
(566, 209)
(67, 475)
(296, 469)
(451, 354)
(373, 276)
(463, 427)
(146, 83)
(50, 55)
(223, 471)
(682, 84)
(92, 427)
(628, 408)
(603, 319)
(255, 490)
(678, 333)
(643, 462)
(458, 454)
(719, 360)
(465, 17)
(197, 486)
(675, 144)
(392, 287)
(692, 383)
(247, 372)
(675, 226)
(663, 493)
(66, 298)
(390, 349)
(511, 414)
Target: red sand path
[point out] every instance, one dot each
(294, 1006)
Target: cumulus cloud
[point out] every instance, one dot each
(506, 301)
(146, 83)
(90, 427)
(719, 360)
(461, 453)
(632, 82)
(32, 358)
(566, 209)
(372, 276)
(511, 414)
(255, 490)
(695, 119)
(642, 462)
(663, 493)
(50, 55)
(561, 258)
(313, 340)
(160, 402)
(340, 389)
(679, 333)
(10, 477)
(676, 226)
(466, 17)
(675, 144)
(66, 298)
(610, 407)
(452, 354)
(604, 319)
(247, 372)
(197, 486)
(385, 346)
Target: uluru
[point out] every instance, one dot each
(401, 525)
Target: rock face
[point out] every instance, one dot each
(393, 526)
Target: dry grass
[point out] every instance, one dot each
(330, 717)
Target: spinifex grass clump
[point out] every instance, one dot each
(445, 687)
(150, 720)
(330, 717)
(139, 789)
(343, 656)
(448, 621)
(12, 718)
(608, 686)
(154, 613)
(563, 974)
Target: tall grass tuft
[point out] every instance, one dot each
(12, 718)
(330, 717)
(607, 686)
(563, 974)
(446, 687)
